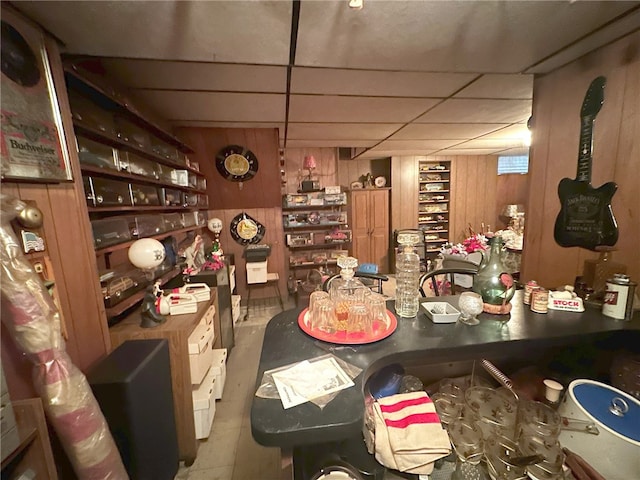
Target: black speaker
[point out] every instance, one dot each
(133, 388)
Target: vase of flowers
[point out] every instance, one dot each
(493, 282)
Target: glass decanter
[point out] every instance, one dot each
(347, 290)
(493, 281)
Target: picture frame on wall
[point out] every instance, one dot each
(32, 144)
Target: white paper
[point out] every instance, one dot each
(308, 380)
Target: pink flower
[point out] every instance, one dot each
(506, 280)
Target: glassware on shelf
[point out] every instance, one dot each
(346, 291)
(493, 282)
(407, 275)
(470, 305)
(466, 438)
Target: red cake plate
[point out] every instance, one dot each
(380, 330)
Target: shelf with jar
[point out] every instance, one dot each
(434, 195)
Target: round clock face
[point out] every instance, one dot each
(236, 163)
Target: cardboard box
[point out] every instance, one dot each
(200, 352)
(257, 272)
(219, 369)
(204, 405)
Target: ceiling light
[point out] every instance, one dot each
(356, 4)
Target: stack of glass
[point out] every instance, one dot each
(350, 309)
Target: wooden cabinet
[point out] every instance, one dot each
(434, 203)
(316, 231)
(369, 221)
(176, 330)
(33, 457)
(138, 182)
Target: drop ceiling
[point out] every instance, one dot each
(393, 78)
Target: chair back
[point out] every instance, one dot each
(373, 281)
(449, 273)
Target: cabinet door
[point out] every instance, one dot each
(360, 241)
(379, 228)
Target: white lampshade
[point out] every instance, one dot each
(146, 253)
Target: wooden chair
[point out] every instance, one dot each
(371, 280)
(449, 273)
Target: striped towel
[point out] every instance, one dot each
(408, 433)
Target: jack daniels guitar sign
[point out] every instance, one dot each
(586, 219)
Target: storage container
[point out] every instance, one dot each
(189, 219)
(88, 114)
(204, 405)
(148, 225)
(144, 195)
(190, 199)
(170, 197)
(180, 177)
(94, 154)
(207, 318)
(257, 272)
(200, 352)
(172, 221)
(118, 285)
(136, 165)
(110, 231)
(201, 218)
(107, 193)
(219, 368)
(163, 149)
(203, 200)
(163, 173)
(132, 134)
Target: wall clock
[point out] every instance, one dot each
(236, 163)
(246, 230)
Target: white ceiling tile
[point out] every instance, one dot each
(213, 124)
(515, 151)
(446, 131)
(478, 111)
(439, 36)
(421, 145)
(221, 31)
(495, 143)
(329, 108)
(377, 83)
(499, 86)
(198, 75)
(519, 130)
(328, 143)
(381, 153)
(337, 131)
(470, 151)
(222, 107)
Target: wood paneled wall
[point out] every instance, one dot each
(477, 193)
(69, 242)
(326, 173)
(557, 100)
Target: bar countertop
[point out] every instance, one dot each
(416, 340)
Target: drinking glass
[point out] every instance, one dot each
(448, 408)
(378, 310)
(323, 317)
(315, 296)
(359, 323)
(470, 304)
(500, 453)
(466, 438)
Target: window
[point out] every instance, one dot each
(513, 164)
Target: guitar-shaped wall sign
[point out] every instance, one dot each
(586, 219)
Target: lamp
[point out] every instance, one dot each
(147, 254)
(515, 214)
(309, 164)
(215, 226)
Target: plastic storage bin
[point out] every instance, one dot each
(257, 272)
(110, 231)
(101, 192)
(94, 154)
(148, 225)
(144, 195)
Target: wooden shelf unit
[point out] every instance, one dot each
(301, 256)
(117, 140)
(434, 196)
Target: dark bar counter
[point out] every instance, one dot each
(416, 341)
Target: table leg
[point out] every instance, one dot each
(286, 463)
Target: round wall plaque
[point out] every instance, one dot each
(246, 230)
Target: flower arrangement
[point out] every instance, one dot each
(477, 242)
(213, 263)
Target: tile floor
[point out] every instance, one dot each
(230, 453)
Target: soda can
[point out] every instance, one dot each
(618, 297)
(528, 288)
(540, 300)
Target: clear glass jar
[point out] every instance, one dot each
(407, 275)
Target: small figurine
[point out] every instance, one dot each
(150, 316)
(194, 254)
